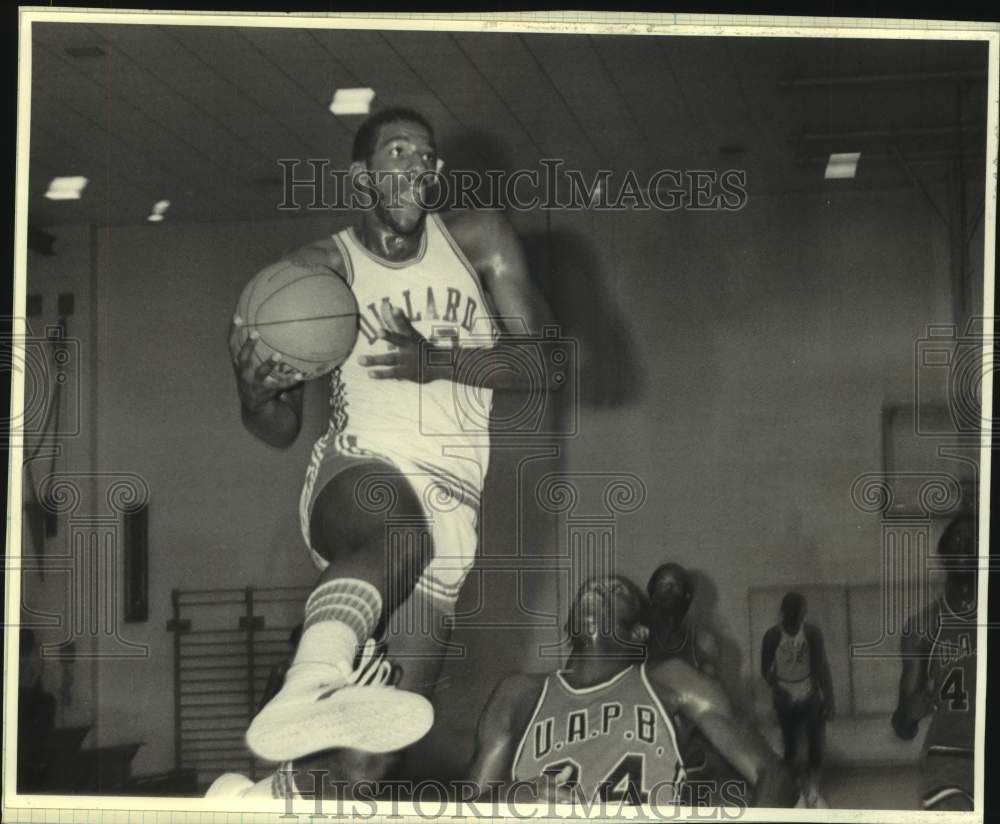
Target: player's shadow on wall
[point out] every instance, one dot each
(474, 150)
(565, 266)
(704, 610)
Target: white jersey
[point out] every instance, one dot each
(441, 295)
(435, 433)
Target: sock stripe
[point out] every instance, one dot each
(338, 586)
(351, 601)
(345, 615)
(356, 601)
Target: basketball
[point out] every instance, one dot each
(305, 312)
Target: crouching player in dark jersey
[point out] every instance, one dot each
(939, 675)
(602, 728)
(673, 634)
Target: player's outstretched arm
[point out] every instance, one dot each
(501, 725)
(705, 704)
(708, 651)
(496, 738)
(913, 703)
(497, 254)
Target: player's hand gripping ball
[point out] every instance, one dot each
(295, 320)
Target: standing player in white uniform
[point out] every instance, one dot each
(939, 675)
(795, 664)
(602, 728)
(408, 433)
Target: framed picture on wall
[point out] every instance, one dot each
(931, 467)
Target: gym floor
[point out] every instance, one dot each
(872, 788)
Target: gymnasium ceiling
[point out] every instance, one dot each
(200, 115)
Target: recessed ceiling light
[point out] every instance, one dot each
(66, 188)
(159, 208)
(842, 165)
(352, 101)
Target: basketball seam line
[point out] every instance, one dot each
(304, 320)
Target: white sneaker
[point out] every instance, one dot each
(229, 785)
(360, 712)
(815, 801)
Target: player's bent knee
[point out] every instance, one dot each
(363, 506)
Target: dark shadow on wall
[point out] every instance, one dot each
(564, 265)
(566, 269)
(474, 150)
(704, 610)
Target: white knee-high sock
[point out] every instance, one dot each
(340, 615)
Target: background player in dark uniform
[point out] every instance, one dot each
(794, 663)
(939, 675)
(672, 632)
(604, 723)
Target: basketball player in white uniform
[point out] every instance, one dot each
(795, 664)
(939, 676)
(391, 498)
(603, 727)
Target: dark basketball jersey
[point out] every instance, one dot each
(662, 649)
(951, 674)
(616, 737)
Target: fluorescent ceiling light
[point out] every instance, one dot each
(159, 208)
(66, 188)
(843, 165)
(352, 101)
